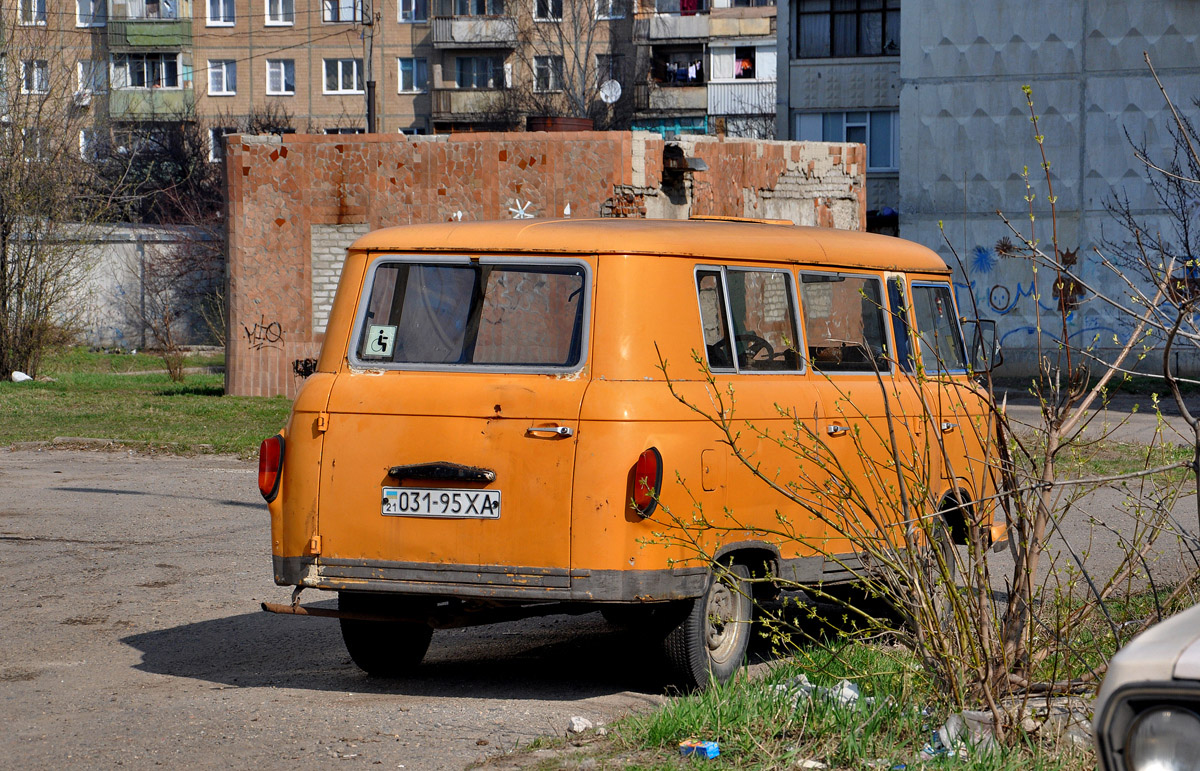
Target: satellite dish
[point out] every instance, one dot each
(610, 91)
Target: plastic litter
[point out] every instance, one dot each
(20, 377)
(810, 763)
(706, 750)
(844, 693)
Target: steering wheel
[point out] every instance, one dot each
(752, 345)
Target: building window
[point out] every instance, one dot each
(281, 77)
(281, 12)
(216, 142)
(343, 76)
(89, 144)
(483, 72)
(677, 66)
(414, 75)
(32, 11)
(547, 10)
(92, 77)
(221, 13)
(341, 10)
(414, 11)
(478, 7)
(146, 71)
(878, 130)
(547, 73)
(33, 144)
(847, 28)
(35, 76)
(222, 77)
(413, 131)
(608, 67)
(610, 9)
(346, 130)
(89, 13)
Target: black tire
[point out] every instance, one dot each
(385, 648)
(710, 642)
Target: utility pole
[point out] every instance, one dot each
(368, 20)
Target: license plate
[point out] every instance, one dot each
(432, 502)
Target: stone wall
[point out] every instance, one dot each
(296, 202)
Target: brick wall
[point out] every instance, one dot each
(296, 202)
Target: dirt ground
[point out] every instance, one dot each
(132, 636)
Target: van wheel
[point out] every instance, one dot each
(384, 648)
(711, 640)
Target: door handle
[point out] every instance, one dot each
(563, 431)
(948, 426)
(836, 430)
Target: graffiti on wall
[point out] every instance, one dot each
(1023, 308)
(263, 334)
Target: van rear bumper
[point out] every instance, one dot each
(491, 581)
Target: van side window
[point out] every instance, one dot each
(714, 320)
(473, 314)
(843, 322)
(762, 313)
(937, 326)
(901, 331)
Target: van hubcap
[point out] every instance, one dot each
(723, 627)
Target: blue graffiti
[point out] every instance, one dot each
(1079, 338)
(983, 260)
(1000, 298)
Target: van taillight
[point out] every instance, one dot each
(270, 464)
(647, 481)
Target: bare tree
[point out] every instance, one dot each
(567, 50)
(52, 199)
(181, 181)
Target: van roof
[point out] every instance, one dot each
(717, 240)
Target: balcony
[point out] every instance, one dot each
(162, 34)
(150, 103)
(742, 97)
(654, 98)
(742, 22)
(663, 27)
(464, 103)
(474, 32)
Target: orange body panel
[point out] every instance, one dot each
(566, 529)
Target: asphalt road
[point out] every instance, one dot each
(131, 635)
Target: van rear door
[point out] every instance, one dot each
(450, 442)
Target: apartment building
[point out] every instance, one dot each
(434, 65)
(841, 83)
(705, 67)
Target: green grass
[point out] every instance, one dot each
(758, 728)
(78, 360)
(94, 402)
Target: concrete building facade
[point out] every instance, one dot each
(960, 135)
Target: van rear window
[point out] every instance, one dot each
(498, 315)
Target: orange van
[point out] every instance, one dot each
(516, 418)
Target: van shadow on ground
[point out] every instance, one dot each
(551, 658)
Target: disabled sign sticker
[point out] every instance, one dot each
(381, 340)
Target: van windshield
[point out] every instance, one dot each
(473, 314)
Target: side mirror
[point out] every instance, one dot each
(984, 349)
